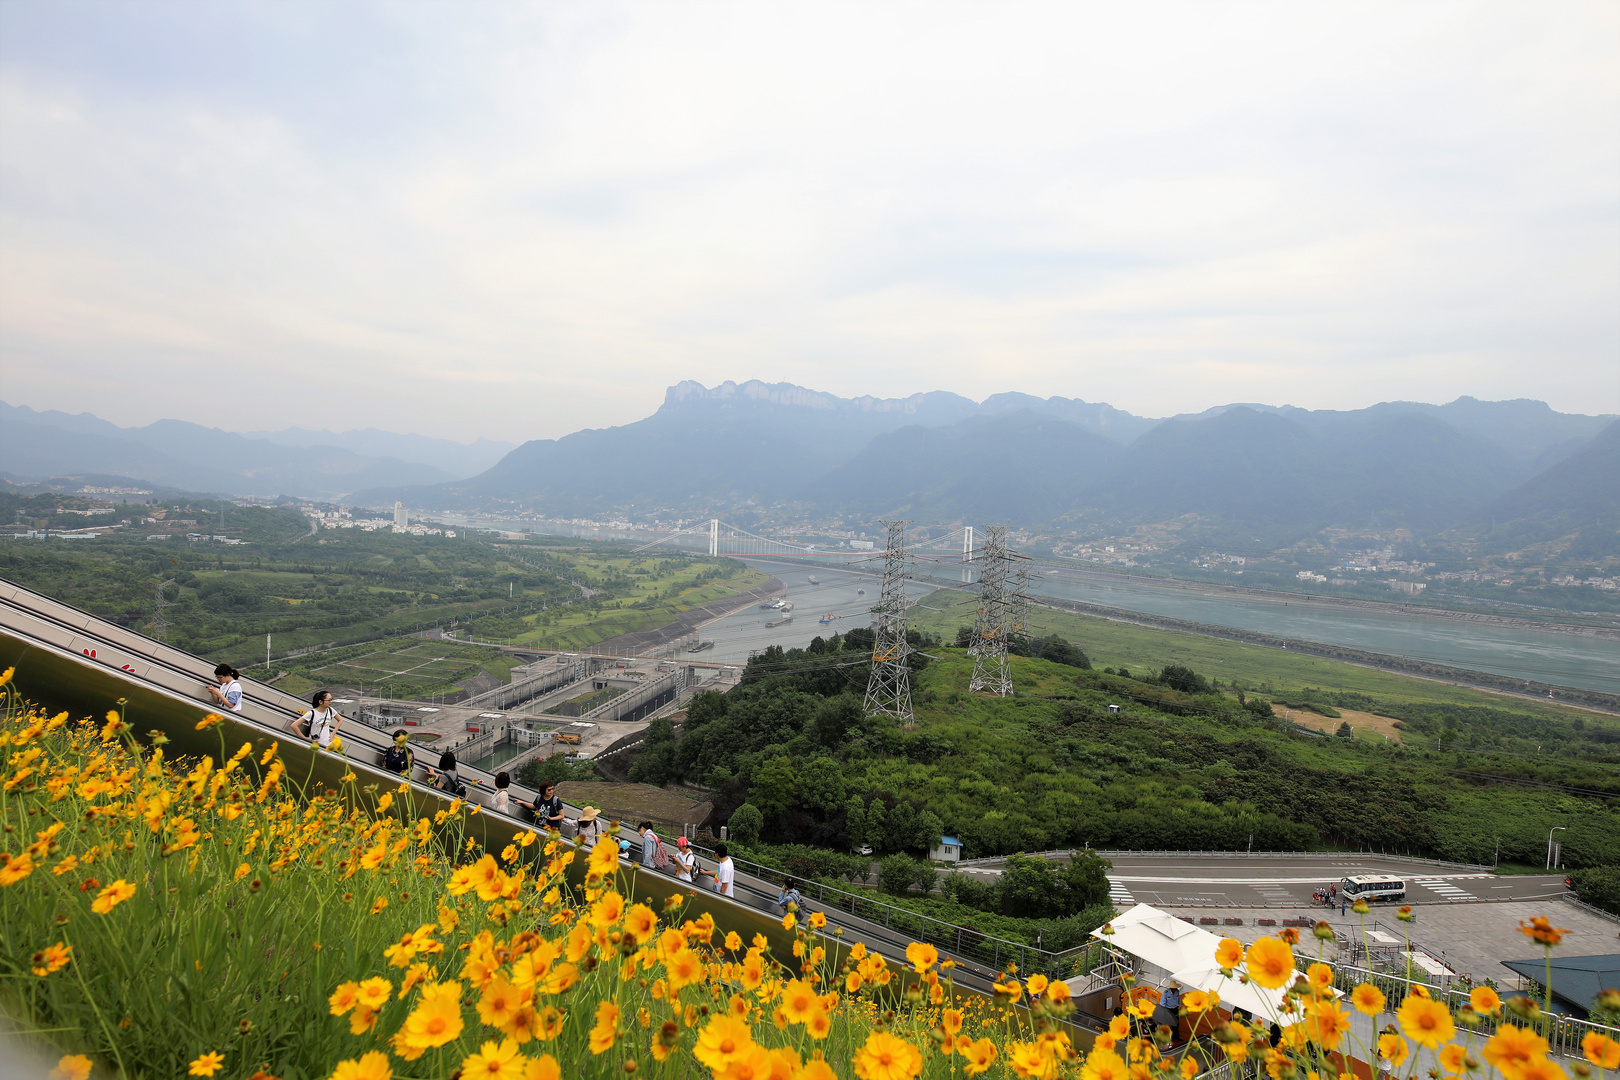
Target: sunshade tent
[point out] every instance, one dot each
(1187, 953)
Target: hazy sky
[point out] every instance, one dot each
(518, 220)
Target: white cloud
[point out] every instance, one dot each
(516, 221)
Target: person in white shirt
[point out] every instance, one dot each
(591, 827)
(503, 799)
(228, 693)
(321, 722)
(685, 861)
(724, 872)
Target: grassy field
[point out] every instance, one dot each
(400, 667)
(1273, 672)
(656, 590)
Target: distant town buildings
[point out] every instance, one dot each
(400, 520)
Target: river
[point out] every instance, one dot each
(1518, 650)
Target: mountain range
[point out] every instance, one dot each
(1266, 473)
(179, 454)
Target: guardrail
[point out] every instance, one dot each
(1201, 854)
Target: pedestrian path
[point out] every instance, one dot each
(1446, 889)
(1273, 894)
(1119, 894)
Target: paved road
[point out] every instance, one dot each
(1195, 880)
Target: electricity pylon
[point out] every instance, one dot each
(993, 621)
(888, 690)
(1018, 621)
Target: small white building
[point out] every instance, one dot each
(949, 850)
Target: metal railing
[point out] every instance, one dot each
(1201, 854)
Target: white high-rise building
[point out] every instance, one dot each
(399, 516)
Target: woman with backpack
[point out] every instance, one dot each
(226, 689)
(445, 777)
(399, 759)
(321, 722)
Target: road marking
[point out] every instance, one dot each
(1447, 890)
(1118, 893)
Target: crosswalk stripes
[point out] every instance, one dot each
(1119, 893)
(1447, 890)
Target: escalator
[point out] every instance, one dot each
(76, 661)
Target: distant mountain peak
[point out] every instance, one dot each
(789, 394)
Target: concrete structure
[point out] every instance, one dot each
(400, 520)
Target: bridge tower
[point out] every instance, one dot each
(967, 543)
(714, 536)
(993, 620)
(888, 690)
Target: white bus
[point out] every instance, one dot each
(1373, 887)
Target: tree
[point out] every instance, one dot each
(896, 874)
(964, 637)
(1183, 678)
(655, 766)
(821, 787)
(929, 830)
(1345, 731)
(705, 707)
(902, 827)
(745, 823)
(855, 821)
(1029, 888)
(1059, 651)
(775, 788)
(1085, 881)
(659, 731)
(835, 718)
(876, 824)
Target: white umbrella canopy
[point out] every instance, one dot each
(1161, 939)
(1257, 1001)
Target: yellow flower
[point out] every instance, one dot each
(1199, 1001)
(817, 1070)
(1485, 1001)
(52, 958)
(1104, 1065)
(685, 969)
(640, 922)
(608, 910)
(722, 1039)
(1392, 1048)
(15, 867)
(73, 1066)
(1320, 977)
(1512, 1048)
(371, 1066)
(111, 897)
(1426, 1021)
(980, 1056)
(921, 957)
(799, 1001)
(1542, 931)
(1030, 1063)
(1542, 1069)
(1601, 1050)
(495, 1062)
(606, 1031)
(733, 942)
(542, 1068)
(436, 1020)
(1326, 1023)
(501, 1002)
(819, 1025)
(1058, 992)
(818, 921)
(1036, 984)
(208, 721)
(951, 1020)
(887, 1057)
(1453, 1058)
(344, 998)
(1368, 999)
(1271, 963)
(207, 1065)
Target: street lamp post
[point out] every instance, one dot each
(1555, 828)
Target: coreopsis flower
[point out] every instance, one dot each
(208, 721)
(1426, 1022)
(13, 868)
(207, 1065)
(436, 1019)
(1485, 1001)
(1540, 930)
(799, 1001)
(819, 1024)
(371, 1066)
(1601, 1050)
(1512, 1048)
(1271, 963)
(112, 896)
(921, 957)
(887, 1057)
(374, 993)
(1104, 1065)
(495, 1061)
(640, 922)
(500, 1002)
(1029, 1062)
(344, 998)
(1453, 1058)
(52, 958)
(606, 1031)
(1368, 999)
(980, 1056)
(723, 1039)
(72, 1066)
(1326, 1022)
(1393, 1049)
(1320, 977)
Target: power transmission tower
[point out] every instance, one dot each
(1018, 625)
(888, 691)
(993, 621)
(160, 626)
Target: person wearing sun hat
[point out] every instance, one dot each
(590, 826)
(685, 861)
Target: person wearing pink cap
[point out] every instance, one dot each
(685, 861)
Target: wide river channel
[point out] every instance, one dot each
(1516, 649)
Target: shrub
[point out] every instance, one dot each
(745, 823)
